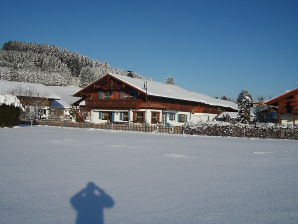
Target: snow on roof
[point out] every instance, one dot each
(173, 91)
(10, 100)
(60, 104)
(26, 89)
(65, 94)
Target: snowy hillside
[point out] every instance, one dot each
(50, 65)
(144, 178)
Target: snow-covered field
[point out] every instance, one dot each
(146, 178)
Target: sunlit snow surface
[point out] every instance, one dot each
(147, 178)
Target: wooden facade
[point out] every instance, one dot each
(287, 104)
(110, 93)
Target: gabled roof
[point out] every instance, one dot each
(168, 91)
(26, 89)
(284, 95)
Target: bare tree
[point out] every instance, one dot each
(33, 101)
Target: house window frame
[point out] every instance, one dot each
(155, 117)
(182, 118)
(124, 116)
(172, 116)
(139, 116)
(104, 115)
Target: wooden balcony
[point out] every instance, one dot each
(141, 104)
(114, 103)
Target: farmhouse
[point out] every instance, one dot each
(122, 99)
(36, 98)
(287, 104)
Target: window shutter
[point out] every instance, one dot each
(185, 118)
(174, 117)
(100, 115)
(100, 96)
(121, 116)
(113, 116)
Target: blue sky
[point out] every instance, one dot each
(216, 47)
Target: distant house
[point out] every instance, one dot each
(61, 108)
(36, 98)
(287, 105)
(122, 99)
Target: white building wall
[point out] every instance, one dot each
(175, 122)
(164, 119)
(204, 117)
(94, 116)
(288, 119)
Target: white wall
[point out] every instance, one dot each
(201, 116)
(175, 122)
(288, 119)
(204, 117)
(95, 116)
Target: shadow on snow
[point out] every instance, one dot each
(89, 204)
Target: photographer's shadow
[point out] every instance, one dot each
(89, 204)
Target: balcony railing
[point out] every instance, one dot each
(114, 103)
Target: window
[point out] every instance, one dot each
(103, 115)
(107, 95)
(121, 95)
(182, 117)
(172, 116)
(133, 94)
(100, 95)
(124, 116)
(154, 117)
(289, 108)
(139, 117)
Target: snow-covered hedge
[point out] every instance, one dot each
(242, 130)
(10, 110)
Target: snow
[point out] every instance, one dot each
(26, 89)
(173, 92)
(146, 178)
(65, 94)
(230, 114)
(10, 100)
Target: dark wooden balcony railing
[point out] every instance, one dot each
(114, 103)
(138, 103)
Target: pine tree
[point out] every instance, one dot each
(244, 101)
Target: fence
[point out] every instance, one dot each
(109, 126)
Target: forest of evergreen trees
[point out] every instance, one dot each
(50, 65)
